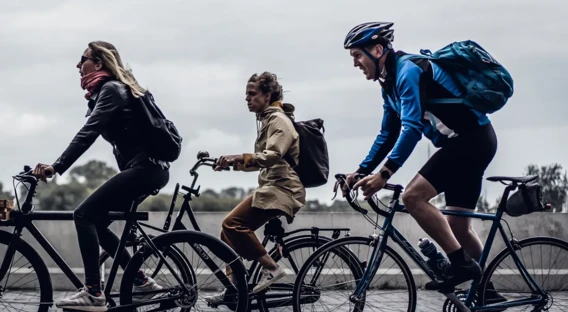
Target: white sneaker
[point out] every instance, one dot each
(215, 299)
(148, 286)
(269, 277)
(83, 301)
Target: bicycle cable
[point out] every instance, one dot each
(509, 227)
(353, 194)
(16, 191)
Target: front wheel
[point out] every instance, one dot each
(327, 284)
(207, 258)
(25, 284)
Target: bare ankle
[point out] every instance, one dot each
(267, 262)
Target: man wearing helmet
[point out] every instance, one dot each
(466, 139)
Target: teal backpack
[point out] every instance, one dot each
(487, 85)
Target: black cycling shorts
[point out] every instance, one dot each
(458, 167)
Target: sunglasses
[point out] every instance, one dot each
(85, 58)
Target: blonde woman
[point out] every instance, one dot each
(114, 116)
(280, 191)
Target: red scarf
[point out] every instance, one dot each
(93, 81)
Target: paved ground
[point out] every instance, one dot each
(427, 301)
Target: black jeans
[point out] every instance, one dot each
(117, 194)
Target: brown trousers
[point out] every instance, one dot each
(239, 225)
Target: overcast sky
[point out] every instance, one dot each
(196, 57)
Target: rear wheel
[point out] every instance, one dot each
(546, 260)
(278, 297)
(207, 258)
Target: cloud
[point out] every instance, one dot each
(25, 124)
(197, 56)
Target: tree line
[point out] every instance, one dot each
(84, 179)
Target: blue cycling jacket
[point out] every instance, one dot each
(404, 93)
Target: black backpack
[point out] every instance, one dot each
(161, 134)
(313, 167)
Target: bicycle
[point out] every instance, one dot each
(286, 244)
(181, 295)
(474, 298)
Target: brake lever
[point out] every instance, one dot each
(342, 181)
(335, 192)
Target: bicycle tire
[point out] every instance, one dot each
(39, 266)
(179, 256)
(538, 240)
(292, 244)
(215, 245)
(338, 244)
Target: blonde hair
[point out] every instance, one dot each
(108, 55)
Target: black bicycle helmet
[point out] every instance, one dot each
(366, 33)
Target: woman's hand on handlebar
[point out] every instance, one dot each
(227, 160)
(42, 172)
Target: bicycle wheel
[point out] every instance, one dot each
(181, 293)
(177, 257)
(382, 294)
(546, 260)
(278, 296)
(26, 282)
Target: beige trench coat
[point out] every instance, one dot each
(279, 187)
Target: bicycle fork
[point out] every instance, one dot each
(374, 263)
(369, 273)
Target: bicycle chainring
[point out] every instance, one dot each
(449, 306)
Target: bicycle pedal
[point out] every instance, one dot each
(439, 287)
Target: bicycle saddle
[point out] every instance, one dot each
(522, 180)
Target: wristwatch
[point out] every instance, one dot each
(385, 174)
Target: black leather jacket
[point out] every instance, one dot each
(112, 115)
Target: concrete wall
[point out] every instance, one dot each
(61, 234)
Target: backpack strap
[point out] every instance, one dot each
(287, 156)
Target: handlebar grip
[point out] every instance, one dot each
(215, 165)
(354, 206)
(49, 173)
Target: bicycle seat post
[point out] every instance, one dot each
(122, 244)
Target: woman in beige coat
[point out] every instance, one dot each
(279, 191)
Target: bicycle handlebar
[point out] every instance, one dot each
(342, 180)
(206, 161)
(203, 159)
(26, 176)
(352, 196)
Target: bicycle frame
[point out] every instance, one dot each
(389, 230)
(277, 238)
(24, 217)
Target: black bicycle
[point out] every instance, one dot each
(290, 248)
(387, 283)
(25, 282)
